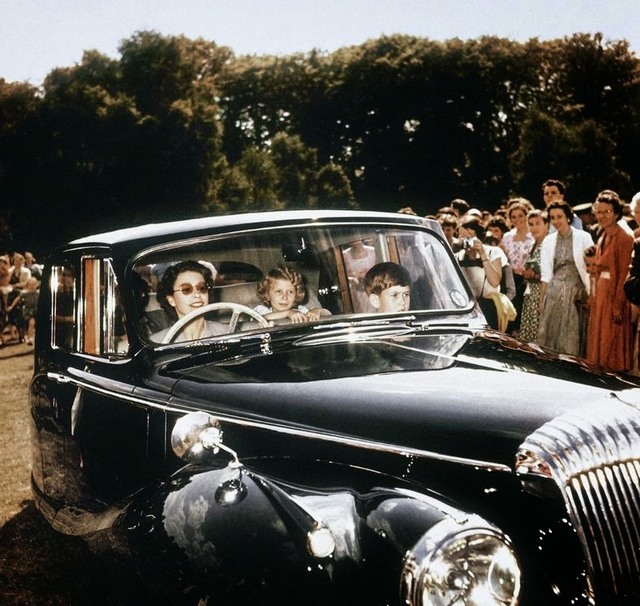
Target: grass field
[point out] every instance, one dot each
(16, 366)
(37, 565)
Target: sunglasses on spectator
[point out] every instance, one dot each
(187, 289)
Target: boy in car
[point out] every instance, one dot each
(388, 286)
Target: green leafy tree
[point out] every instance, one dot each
(593, 85)
(122, 141)
(297, 167)
(18, 105)
(178, 127)
(334, 189)
(261, 175)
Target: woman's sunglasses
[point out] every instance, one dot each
(187, 289)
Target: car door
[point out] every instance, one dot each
(93, 438)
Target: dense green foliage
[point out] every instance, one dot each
(178, 127)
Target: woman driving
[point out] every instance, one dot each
(184, 288)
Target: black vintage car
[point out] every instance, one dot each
(362, 456)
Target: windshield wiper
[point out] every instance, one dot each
(201, 353)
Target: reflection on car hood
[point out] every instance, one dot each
(472, 396)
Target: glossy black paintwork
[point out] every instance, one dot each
(370, 517)
(384, 433)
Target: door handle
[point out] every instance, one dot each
(58, 377)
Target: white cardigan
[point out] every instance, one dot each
(581, 241)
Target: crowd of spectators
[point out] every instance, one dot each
(20, 277)
(554, 276)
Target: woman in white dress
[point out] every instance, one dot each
(564, 282)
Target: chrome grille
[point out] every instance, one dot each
(593, 455)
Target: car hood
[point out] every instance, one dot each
(461, 395)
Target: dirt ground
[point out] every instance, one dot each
(37, 565)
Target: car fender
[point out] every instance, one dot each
(235, 533)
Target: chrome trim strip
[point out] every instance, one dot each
(303, 433)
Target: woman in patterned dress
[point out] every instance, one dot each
(517, 243)
(538, 222)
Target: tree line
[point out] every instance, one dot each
(178, 128)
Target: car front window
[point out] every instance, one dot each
(326, 267)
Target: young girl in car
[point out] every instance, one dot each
(282, 291)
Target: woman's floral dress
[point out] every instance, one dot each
(531, 301)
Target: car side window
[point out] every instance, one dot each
(63, 290)
(87, 312)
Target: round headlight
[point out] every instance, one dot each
(470, 564)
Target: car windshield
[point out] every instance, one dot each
(249, 280)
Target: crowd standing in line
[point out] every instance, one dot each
(576, 271)
(19, 285)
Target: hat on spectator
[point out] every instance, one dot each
(581, 209)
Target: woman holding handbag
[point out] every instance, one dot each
(564, 282)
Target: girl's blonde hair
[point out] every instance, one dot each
(282, 273)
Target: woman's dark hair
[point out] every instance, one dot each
(448, 221)
(608, 196)
(473, 223)
(563, 206)
(543, 214)
(500, 223)
(556, 183)
(460, 206)
(168, 280)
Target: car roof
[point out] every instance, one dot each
(193, 227)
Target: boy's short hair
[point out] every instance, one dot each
(385, 275)
(282, 273)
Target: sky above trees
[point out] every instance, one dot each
(39, 35)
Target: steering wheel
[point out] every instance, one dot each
(236, 308)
